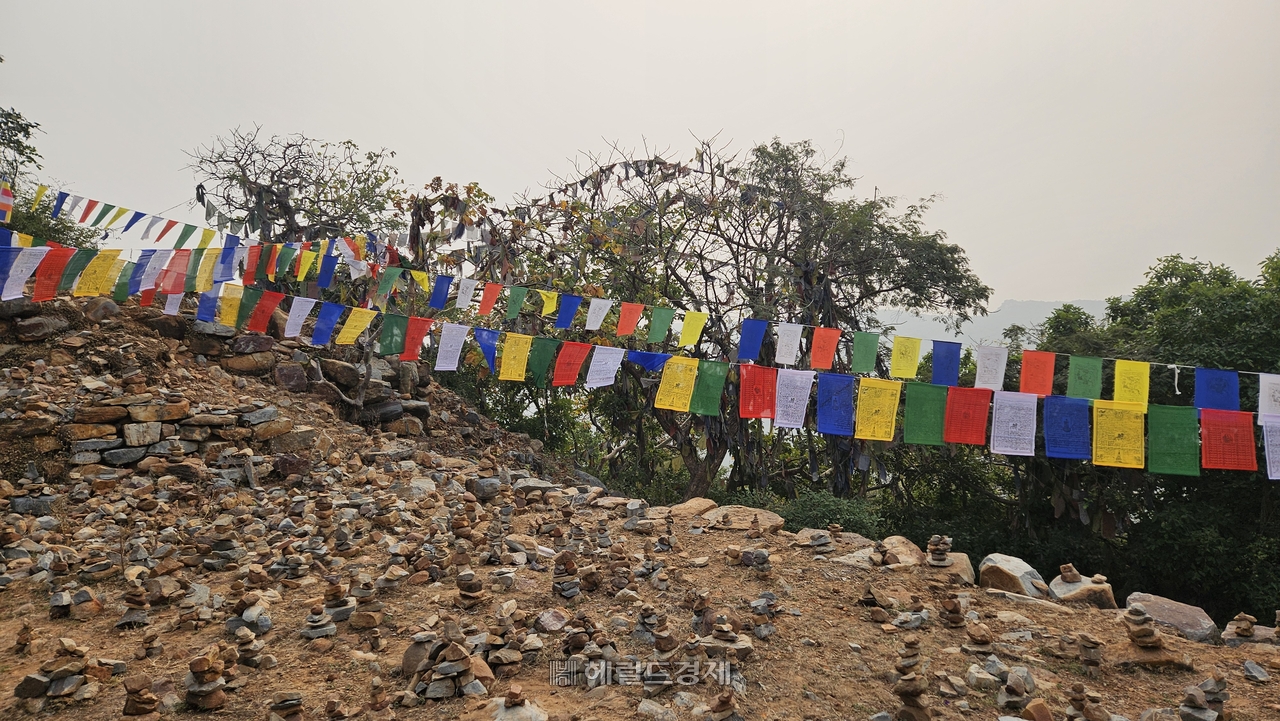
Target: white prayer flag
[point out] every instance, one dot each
(172, 303)
(358, 268)
(788, 343)
(71, 207)
(154, 267)
(1013, 424)
(1271, 442)
(23, 266)
(605, 361)
(466, 293)
(792, 393)
(146, 234)
(1268, 396)
(451, 337)
(991, 363)
(298, 313)
(596, 312)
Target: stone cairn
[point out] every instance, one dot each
(1243, 625)
(981, 639)
(1069, 573)
(724, 708)
(1090, 654)
(1142, 628)
(1086, 705)
(939, 547)
(337, 604)
(249, 648)
(136, 606)
(319, 624)
(139, 701)
(368, 613)
(152, 646)
(564, 576)
(1211, 696)
(911, 683)
(204, 682)
(952, 612)
(286, 705)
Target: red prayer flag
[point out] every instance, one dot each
(173, 279)
(490, 296)
(824, 347)
(413, 337)
(1037, 372)
(1226, 440)
(261, 314)
(49, 273)
(756, 391)
(251, 264)
(168, 225)
(966, 420)
(569, 363)
(147, 296)
(630, 315)
(297, 261)
(88, 208)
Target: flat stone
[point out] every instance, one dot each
(252, 343)
(30, 330)
(291, 377)
(738, 518)
(1010, 573)
(1190, 621)
(262, 415)
(1086, 590)
(83, 431)
(300, 438)
(159, 411)
(123, 456)
(272, 428)
(32, 686)
(251, 364)
(65, 686)
(693, 507)
(100, 414)
(210, 328)
(1255, 673)
(142, 434)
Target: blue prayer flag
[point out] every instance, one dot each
(1217, 389)
(440, 291)
(648, 361)
(1066, 428)
(568, 309)
(487, 338)
(325, 321)
(835, 404)
(135, 280)
(8, 254)
(751, 338)
(57, 204)
(946, 363)
(327, 265)
(226, 268)
(137, 215)
(6, 237)
(207, 310)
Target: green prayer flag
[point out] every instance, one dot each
(865, 348)
(708, 388)
(515, 299)
(73, 269)
(121, 293)
(193, 269)
(38, 243)
(544, 349)
(660, 323)
(247, 302)
(388, 281)
(394, 330)
(1173, 434)
(264, 261)
(102, 214)
(284, 261)
(185, 235)
(926, 411)
(1084, 377)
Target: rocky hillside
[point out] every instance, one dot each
(189, 526)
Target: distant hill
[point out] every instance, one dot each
(985, 329)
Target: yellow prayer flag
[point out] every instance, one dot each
(1133, 381)
(515, 357)
(304, 265)
(24, 240)
(549, 298)
(40, 191)
(676, 389)
(692, 328)
(1118, 434)
(359, 320)
(118, 214)
(204, 274)
(877, 416)
(113, 275)
(905, 358)
(420, 277)
(206, 235)
(231, 295)
(94, 275)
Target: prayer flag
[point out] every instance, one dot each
(248, 302)
(925, 413)
(48, 272)
(8, 256)
(1174, 440)
(388, 281)
(205, 279)
(106, 208)
(628, 317)
(6, 202)
(299, 309)
(206, 237)
(452, 336)
(946, 364)
(40, 191)
(709, 388)
(691, 328)
(193, 270)
(93, 280)
(487, 339)
(1133, 379)
(415, 335)
(328, 264)
(791, 397)
(57, 203)
(905, 358)
(133, 220)
(596, 312)
(540, 355)
(139, 269)
(1013, 423)
(788, 348)
(1084, 377)
(88, 208)
(992, 361)
(823, 352)
(568, 309)
(21, 264)
(391, 340)
(750, 339)
(74, 267)
(659, 323)
(866, 347)
(877, 409)
(325, 321)
(1271, 442)
(756, 388)
(1268, 395)
(187, 231)
(1217, 389)
(305, 259)
(605, 361)
(966, 419)
(1118, 435)
(1226, 440)
(1037, 372)
(548, 301)
(835, 404)
(569, 363)
(466, 293)
(1066, 428)
(174, 277)
(172, 303)
(675, 392)
(283, 261)
(118, 214)
(262, 311)
(515, 357)
(207, 306)
(515, 299)
(231, 295)
(489, 297)
(440, 292)
(647, 360)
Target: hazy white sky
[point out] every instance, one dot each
(1072, 142)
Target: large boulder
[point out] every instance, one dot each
(738, 518)
(1190, 621)
(1012, 574)
(1094, 591)
(100, 308)
(693, 507)
(168, 326)
(30, 330)
(252, 364)
(341, 373)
